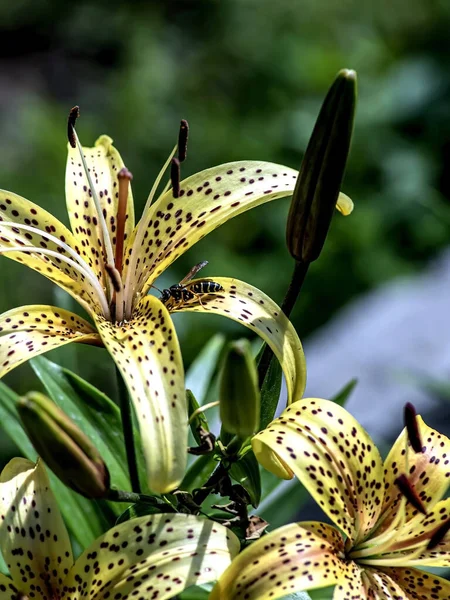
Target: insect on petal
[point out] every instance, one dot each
(296, 557)
(157, 556)
(146, 351)
(333, 457)
(33, 538)
(251, 307)
(28, 331)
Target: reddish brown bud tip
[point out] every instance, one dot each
(412, 428)
(175, 177)
(405, 487)
(73, 116)
(124, 173)
(438, 535)
(183, 140)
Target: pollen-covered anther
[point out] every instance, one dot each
(175, 177)
(405, 487)
(439, 535)
(73, 116)
(412, 428)
(183, 140)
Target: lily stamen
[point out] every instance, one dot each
(175, 177)
(392, 560)
(93, 280)
(438, 535)
(106, 240)
(405, 487)
(183, 140)
(412, 428)
(125, 177)
(384, 540)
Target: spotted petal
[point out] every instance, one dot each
(334, 458)
(36, 228)
(207, 199)
(104, 162)
(416, 584)
(7, 588)
(33, 539)
(251, 307)
(153, 557)
(299, 556)
(428, 471)
(146, 351)
(28, 331)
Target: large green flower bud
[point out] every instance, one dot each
(63, 447)
(317, 191)
(239, 392)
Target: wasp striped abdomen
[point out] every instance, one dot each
(207, 287)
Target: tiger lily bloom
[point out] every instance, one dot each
(379, 537)
(155, 556)
(109, 265)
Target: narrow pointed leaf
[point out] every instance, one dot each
(146, 352)
(199, 472)
(253, 309)
(28, 331)
(200, 373)
(344, 394)
(246, 472)
(270, 391)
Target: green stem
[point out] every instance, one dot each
(127, 425)
(295, 286)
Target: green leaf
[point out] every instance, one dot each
(270, 391)
(197, 592)
(83, 518)
(201, 371)
(291, 495)
(94, 413)
(199, 472)
(343, 395)
(199, 421)
(141, 509)
(246, 472)
(303, 596)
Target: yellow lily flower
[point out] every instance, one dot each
(379, 537)
(155, 556)
(109, 265)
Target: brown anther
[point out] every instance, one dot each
(183, 140)
(73, 116)
(412, 428)
(175, 177)
(438, 535)
(405, 487)
(124, 176)
(114, 276)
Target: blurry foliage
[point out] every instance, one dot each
(249, 75)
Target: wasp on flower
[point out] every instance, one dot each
(108, 264)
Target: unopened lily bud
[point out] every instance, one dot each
(63, 447)
(317, 191)
(239, 392)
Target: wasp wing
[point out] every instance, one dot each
(193, 272)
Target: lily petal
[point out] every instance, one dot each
(299, 556)
(147, 353)
(28, 331)
(33, 538)
(344, 204)
(7, 588)
(418, 584)
(251, 307)
(427, 471)
(334, 458)
(375, 584)
(104, 162)
(207, 199)
(39, 229)
(156, 556)
(352, 586)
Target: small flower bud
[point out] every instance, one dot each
(322, 170)
(63, 447)
(239, 392)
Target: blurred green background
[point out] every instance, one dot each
(249, 75)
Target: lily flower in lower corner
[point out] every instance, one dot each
(155, 556)
(389, 517)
